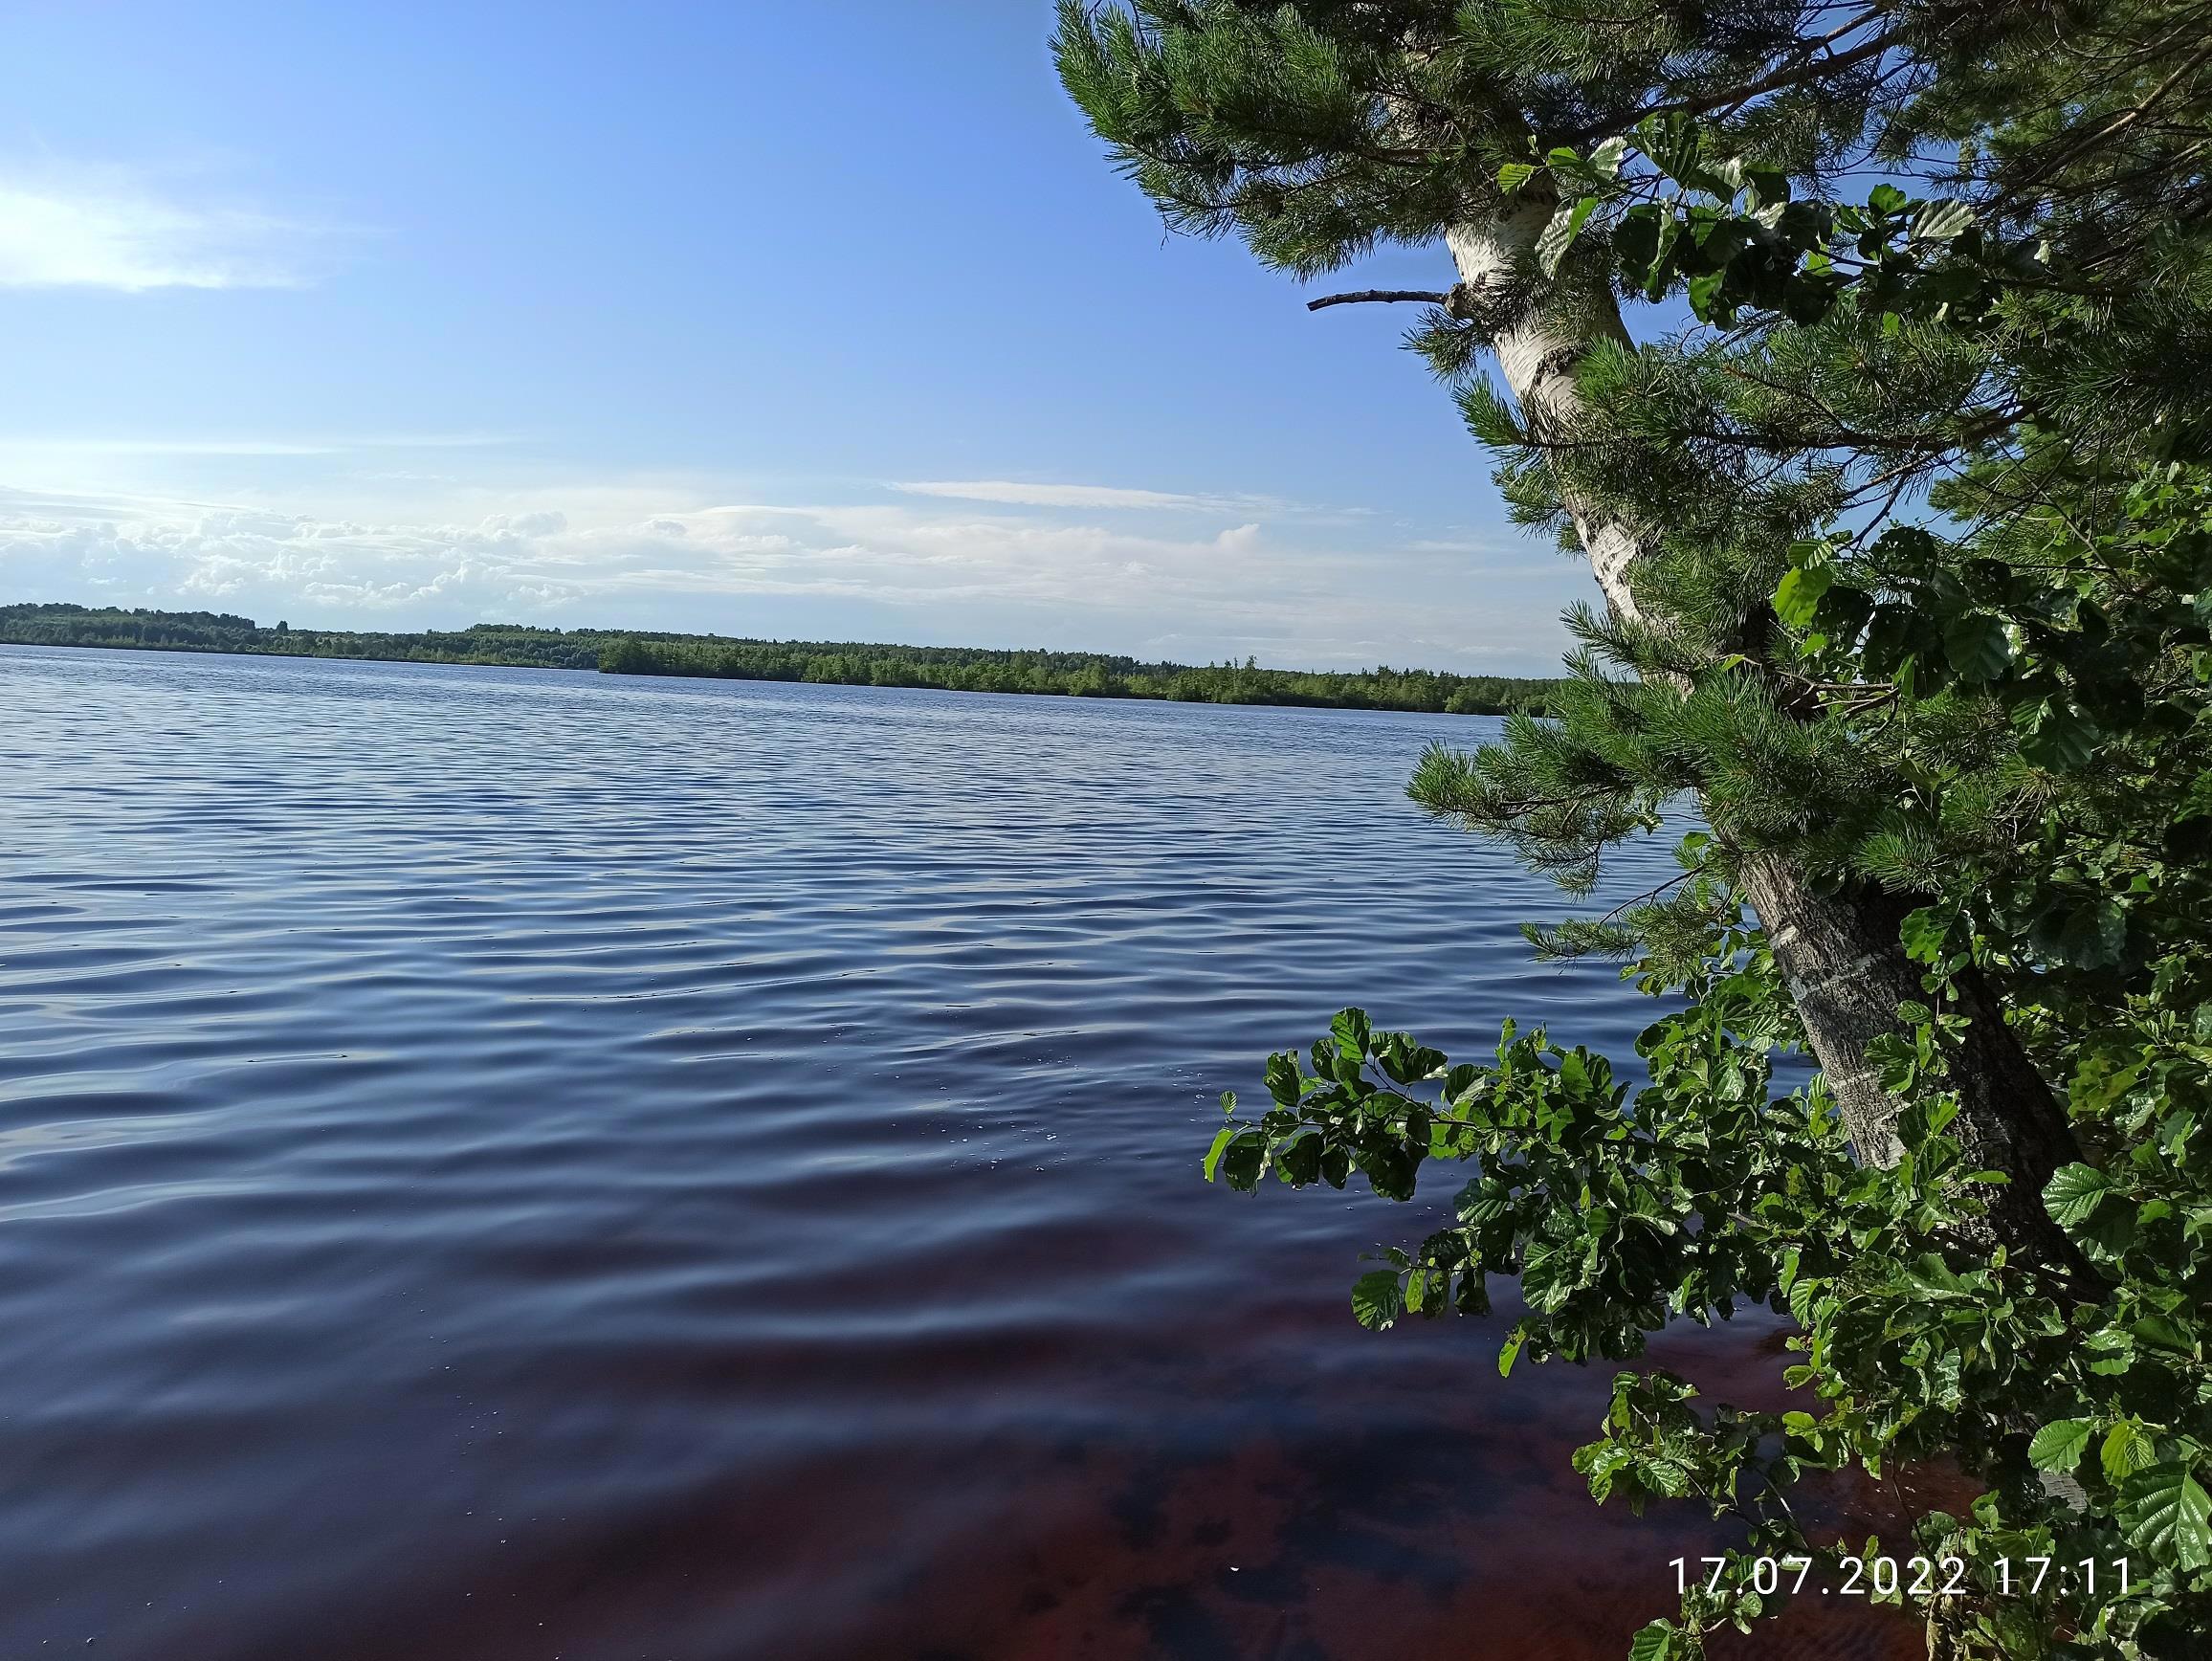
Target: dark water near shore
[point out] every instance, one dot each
(512, 1165)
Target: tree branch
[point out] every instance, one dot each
(1367, 295)
(1798, 67)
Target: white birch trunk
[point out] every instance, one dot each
(1845, 968)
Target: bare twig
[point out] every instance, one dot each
(1387, 295)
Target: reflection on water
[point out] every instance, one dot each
(510, 1164)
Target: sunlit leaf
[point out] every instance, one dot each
(2059, 1446)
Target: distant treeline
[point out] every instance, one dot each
(515, 646)
(950, 667)
(1069, 673)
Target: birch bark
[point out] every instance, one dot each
(1840, 951)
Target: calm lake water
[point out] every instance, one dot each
(499, 1163)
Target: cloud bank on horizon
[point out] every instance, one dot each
(1070, 567)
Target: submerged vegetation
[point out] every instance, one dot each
(845, 663)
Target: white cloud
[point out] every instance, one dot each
(39, 450)
(1015, 493)
(102, 227)
(941, 572)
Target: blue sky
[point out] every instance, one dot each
(822, 320)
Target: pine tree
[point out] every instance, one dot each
(1316, 132)
(1904, 553)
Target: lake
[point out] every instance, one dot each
(513, 1165)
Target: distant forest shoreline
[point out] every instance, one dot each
(845, 663)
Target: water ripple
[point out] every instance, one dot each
(511, 1164)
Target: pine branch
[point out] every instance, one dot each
(1801, 68)
(1648, 894)
(2120, 122)
(1370, 296)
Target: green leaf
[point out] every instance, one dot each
(1337, 1166)
(1666, 1479)
(1298, 1161)
(1636, 240)
(1670, 232)
(1654, 1643)
(1941, 221)
(1221, 1140)
(2127, 1449)
(1241, 1161)
(1886, 199)
(2060, 738)
(1931, 1275)
(2167, 1514)
(1513, 175)
(1559, 234)
(2074, 1192)
(1375, 1299)
(1977, 646)
(2059, 1446)
(1797, 597)
(2093, 936)
(1549, 1273)
(1416, 1293)
(1924, 933)
(2158, 1332)
(1605, 159)
(2114, 1350)
(1703, 292)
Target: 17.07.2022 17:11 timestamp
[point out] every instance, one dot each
(1917, 1576)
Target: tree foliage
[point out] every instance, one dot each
(1918, 426)
(1078, 675)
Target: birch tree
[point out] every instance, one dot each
(1904, 551)
(1495, 133)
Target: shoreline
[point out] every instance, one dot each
(997, 671)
